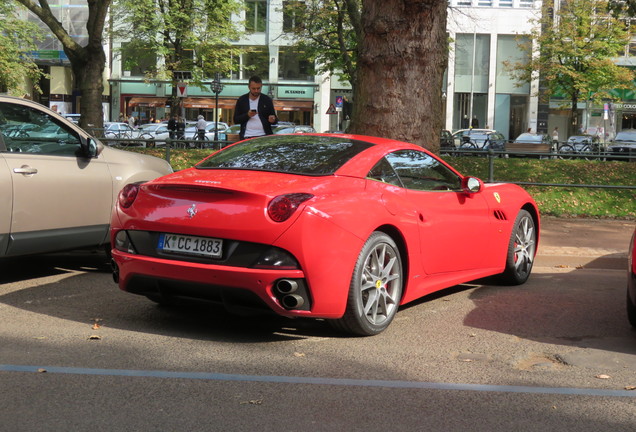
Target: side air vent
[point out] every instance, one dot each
(500, 215)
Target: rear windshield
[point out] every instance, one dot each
(529, 137)
(294, 154)
(625, 136)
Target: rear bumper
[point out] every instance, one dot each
(235, 287)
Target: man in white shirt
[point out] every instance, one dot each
(254, 111)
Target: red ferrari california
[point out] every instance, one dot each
(341, 227)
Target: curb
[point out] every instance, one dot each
(581, 258)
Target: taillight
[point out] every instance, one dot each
(283, 206)
(127, 195)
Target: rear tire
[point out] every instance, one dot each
(521, 250)
(631, 311)
(566, 152)
(375, 290)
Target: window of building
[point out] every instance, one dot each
(137, 58)
(472, 65)
(292, 65)
(291, 9)
(255, 16)
(255, 62)
(508, 51)
(472, 57)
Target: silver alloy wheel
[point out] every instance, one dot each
(522, 248)
(375, 291)
(525, 244)
(380, 284)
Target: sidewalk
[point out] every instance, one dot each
(588, 243)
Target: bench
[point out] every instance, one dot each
(514, 147)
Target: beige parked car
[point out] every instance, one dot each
(57, 183)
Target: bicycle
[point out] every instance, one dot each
(581, 150)
(197, 138)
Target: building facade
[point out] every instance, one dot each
(478, 90)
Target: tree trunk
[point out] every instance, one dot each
(573, 127)
(401, 62)
(88, 69)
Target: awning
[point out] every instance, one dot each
(225, 103)
(147, 101)
(192, 102)
(293, 105)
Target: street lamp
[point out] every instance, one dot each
(216, 88)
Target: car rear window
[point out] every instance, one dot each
(625, 136)
(294, 154)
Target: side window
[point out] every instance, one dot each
(384, 172)
(29, 130)
(419, 171)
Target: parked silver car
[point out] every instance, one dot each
(191, 133)
(154, 134)
(57, 183)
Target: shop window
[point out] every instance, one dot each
(255, 16)
(292, 65)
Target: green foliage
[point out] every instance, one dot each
(325, 31)
(563, 201)
(190, 35)
(17, 39)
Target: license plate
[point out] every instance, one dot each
(191, 245)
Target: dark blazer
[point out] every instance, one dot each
(265, 109)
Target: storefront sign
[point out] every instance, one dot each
(295, 92)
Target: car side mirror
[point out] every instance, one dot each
(471, 184)
(89, 147)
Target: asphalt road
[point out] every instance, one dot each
(557, 353)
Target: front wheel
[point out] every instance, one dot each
(375, 290)
(566, 152)
(521, 250)
(466, 147)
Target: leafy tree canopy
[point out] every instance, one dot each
(327, 31)
(187, 35)
(17, 39)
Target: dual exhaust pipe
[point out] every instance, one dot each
(290, 294)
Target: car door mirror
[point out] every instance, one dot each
(89, 147)
(471, 184)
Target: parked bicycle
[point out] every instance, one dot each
(582, 147)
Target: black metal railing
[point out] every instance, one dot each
(493, 155)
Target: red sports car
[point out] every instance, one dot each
(631, 281)
(341, 227)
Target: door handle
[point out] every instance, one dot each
(25, 170)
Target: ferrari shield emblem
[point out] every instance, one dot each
(192, 211)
